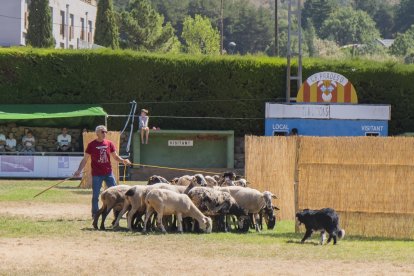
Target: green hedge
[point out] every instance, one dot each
(68, 76)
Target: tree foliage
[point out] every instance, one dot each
(39, 32)
(142, 28)
(318, 11)
(106, 29)
(348, 26)
(200, 37)
(404, 43)
(404, 16)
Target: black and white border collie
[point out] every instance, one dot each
(324, 220)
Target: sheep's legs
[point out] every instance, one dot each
(104, 215)
(148, 214)
(120, 214)
(95, 219)
(179, 218)
(160, 215)
(131, 216)
(256, 222)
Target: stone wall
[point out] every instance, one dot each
(46, 137)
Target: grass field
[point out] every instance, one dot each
(52, 234)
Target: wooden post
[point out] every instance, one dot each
(296, 179)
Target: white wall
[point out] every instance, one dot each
(12, 30)
(11, 26)
(79, 9)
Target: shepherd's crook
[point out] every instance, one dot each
(54, 185)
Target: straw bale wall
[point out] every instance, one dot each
(270, 166)
(368, 180)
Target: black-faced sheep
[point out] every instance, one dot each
(213, 202)
(252, 200)
(165, 202)
(112, 198)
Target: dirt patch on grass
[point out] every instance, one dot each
(46, 211)
(159, 255)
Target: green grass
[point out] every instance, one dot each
(281, 242)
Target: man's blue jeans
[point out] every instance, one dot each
(96, 189)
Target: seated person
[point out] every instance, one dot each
(2, 142)
(64, 140)
(28, 142)
(143, 125)
(11, 143)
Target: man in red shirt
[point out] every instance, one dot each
(100, 151)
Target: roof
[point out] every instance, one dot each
(68, 115)
(385, 42)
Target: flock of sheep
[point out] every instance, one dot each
(189, 203)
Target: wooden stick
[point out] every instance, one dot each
(54, 185)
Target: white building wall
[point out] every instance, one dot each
(73, 36)
(13, 31)
(11, 22)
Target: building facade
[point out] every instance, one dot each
(73, 22)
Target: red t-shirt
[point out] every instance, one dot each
(100, 154)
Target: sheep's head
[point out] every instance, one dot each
(156, 179)
(199, 179)
(270, 218)
(206, 225)
(267, 196)
(174, 181)
(229, 176)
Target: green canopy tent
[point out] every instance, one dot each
(52, 115)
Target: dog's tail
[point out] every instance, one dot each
(341, 233)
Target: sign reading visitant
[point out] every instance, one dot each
(180, 143)
(327, 87)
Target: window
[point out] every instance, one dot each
(70, 46)
(62, 23)
(62, 45)
(89, 31)
(72, 27)
(82, 36)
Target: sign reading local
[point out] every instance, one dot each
(327, 87)
(180, 143)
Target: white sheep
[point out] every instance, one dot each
(112, 198)
(165, 202)
(135, 199)
(211, 181)
(252, 200)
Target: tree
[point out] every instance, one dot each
(142, 28)
(347, 26)
(106, 30)
(318, 11)
(39, 32)
(385, 20)
(200, 37)
(404, 43)
(404, 15)
(310, 36)
(381, 11)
